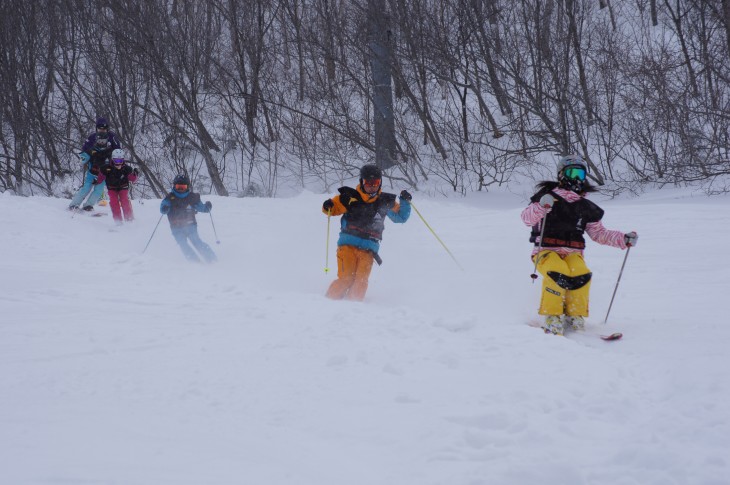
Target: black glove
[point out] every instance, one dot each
(405, 195)
(208, 206)
(328, 205)
(96, 180)
(135, 171)
(631, 239)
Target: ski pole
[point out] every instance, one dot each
(617, 282)
(539, 248)
(438, 238)
(217, 241)
(327, 254)
(153, 233)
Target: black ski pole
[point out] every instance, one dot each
(539, 247)
(153, 233)
(617, 282)
(217, 241)
(141, 202)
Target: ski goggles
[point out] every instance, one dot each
(372, 182)
(574, 173)
(181, 187)
(117, 161)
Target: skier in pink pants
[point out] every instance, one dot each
(118, 175)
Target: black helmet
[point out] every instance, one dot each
(370, 172)
(181, 180)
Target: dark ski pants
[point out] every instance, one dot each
(190, 233)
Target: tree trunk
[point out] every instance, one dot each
(379, 39)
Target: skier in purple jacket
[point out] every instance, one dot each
(96, 152)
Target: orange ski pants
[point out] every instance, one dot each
(353, 270)
(556, 300)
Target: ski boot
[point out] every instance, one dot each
(575, 323)
(73, 208)
(88, 208)
(553, 325)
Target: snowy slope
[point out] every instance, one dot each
(118, 367)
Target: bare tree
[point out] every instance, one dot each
(246, 95)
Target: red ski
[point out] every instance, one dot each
(613, 336)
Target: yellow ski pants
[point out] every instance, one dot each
(556, 300)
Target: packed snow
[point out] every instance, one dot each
(123, 367)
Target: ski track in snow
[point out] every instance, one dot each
(118, 367)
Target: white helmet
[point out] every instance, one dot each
(571, 160)
(572, 172)
(118, 154)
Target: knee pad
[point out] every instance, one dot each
(570, 282)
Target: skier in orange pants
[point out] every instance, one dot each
(363, 212)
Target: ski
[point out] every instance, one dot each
(606, 338)
(613, 336)
(93, 213)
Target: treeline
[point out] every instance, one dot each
(250, 95)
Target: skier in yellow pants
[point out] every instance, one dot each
(565, 213)
(559, 297)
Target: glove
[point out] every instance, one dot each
(93, 152)
(208, 206)
(164, 209)
(406, 196)
(546, 202)
(328, 205)
(96, 180)
(135, 171)
(631, 239)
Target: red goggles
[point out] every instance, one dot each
(181, 187)
(372, 182)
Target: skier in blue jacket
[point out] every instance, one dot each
(96, 152)
(180, 205)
